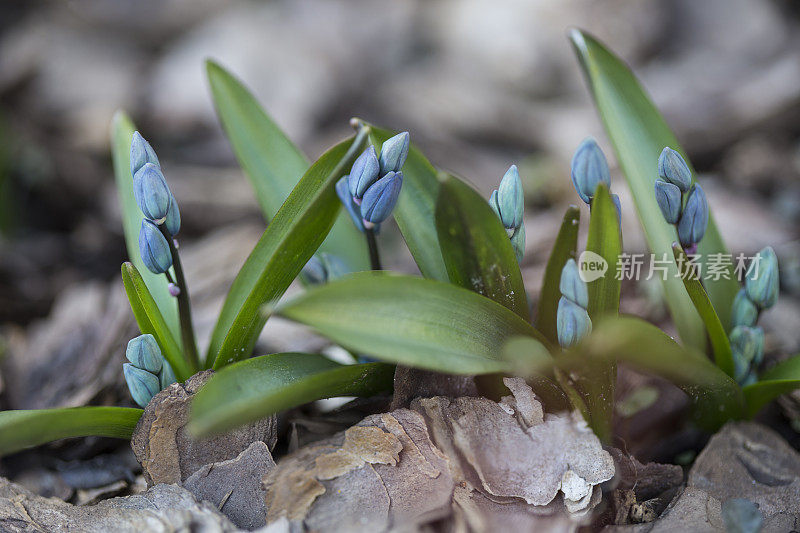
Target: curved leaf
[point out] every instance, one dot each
(288, 243)
(476, 248)
(150, 320)
(258, 387)
(780, 379)
(23, 429)
(564, 248)
(604, 240)
(639, 133)
(271, 162)
(716, 331)
(121, 134)
(412, 321)
(415, 208)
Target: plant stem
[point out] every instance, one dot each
(184, 307)
(373, 249)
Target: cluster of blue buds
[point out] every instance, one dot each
(157, 203)
(675, 180)
(370, 191)
(147, 372)
(324, 267)
(590, 169)
(572, 321)
(760, 292)
(508, 202)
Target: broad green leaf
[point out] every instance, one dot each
(476, 248)
(716, 397)
(23, 429)
(415, 208)
(271, 162)
(597, 379)
(639, 133)
(605, 240)
(565, 248)
(289, 241)
(411, 321)
(716, 331)
(121, 134)
(258, 387)
(150, 320)
(780, 379)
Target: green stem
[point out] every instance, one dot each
(184, 307)
(374, 257)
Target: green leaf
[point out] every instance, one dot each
(258, 387)
(476, 248)
(564, 248)
(716, 397)
(639, 133)
(716, 331)
(271, 162)
(604, 240)
(121, 134)
(412, 321)
(780, 379)
(414, 212)
(288, 243)
(150, 320)
(23, 429)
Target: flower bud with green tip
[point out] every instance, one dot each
(694, 218)
(141, 153)
(572, 286)
(589, 168)
(744, 312)
(518, 242)
(394, 153)
(761, 281)
(380, 199)
(668, 196)
(142, 384)
(748, 343)
(152, 192)
(617, 206)
(154, 248)
(143, 352)
(365, 172)
(572, 322)
(353, 209)
(673, 169)
(167, 376)
(510, 200)
(173, 220)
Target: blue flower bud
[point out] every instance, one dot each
(343, 192)
(143, 352)
(749, 379)
(694, 219)
(394, 153)
(572, 322)
(151, 192)
(673, 169)
(494, 205)
(618, 207)
(589, 168)
(324, 267)
(740, 367)
(141, 153)
(380, 199)
(748, 343)
(142, 384)
(744, 312)
(173, 220)
(167, 376)
(365, 172)
(518, 242)
(668, 196)
(572, 286)
(762, 281)
(510, 200)
(154, 248)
